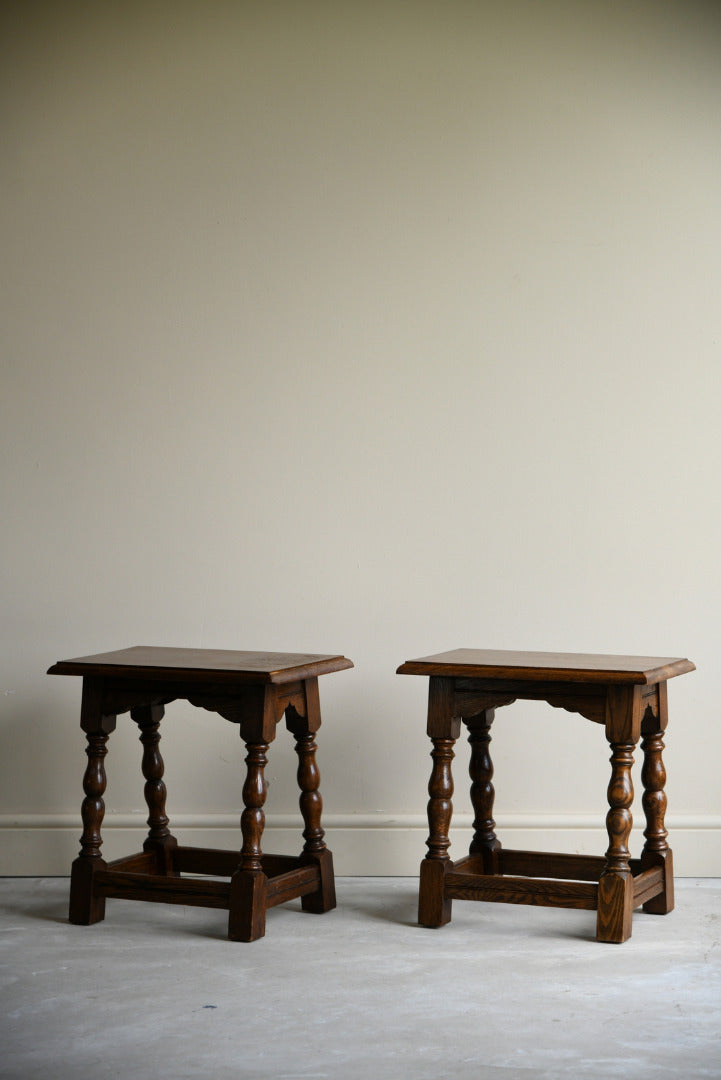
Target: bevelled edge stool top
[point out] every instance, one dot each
(151, 661)
(542, 666)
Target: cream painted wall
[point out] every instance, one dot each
(379, 328)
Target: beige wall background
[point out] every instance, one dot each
(375, 328)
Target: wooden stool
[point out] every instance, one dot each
(627, 694)
(253, 690)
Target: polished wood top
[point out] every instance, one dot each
(547, 667)
(143, 662)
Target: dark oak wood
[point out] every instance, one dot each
(163, 889)
(220, 863)
(311, 802)
(648, 884)
(301, 882)
(440, 806)
(434, 899)
(517, 890)
(251, 689)
(656, 852)
(143, 862)
(231, 665)
(618, 818)
(625, 694)
(551, 864)
(485, 842)
(252, 820)
(160, 840)
(547, 667)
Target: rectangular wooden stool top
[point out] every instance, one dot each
(543, 666)
(143, 661)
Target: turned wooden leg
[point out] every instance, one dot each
(656, 851)
(159, 839)
(246, 921)
(86, 906)
(311, 807)
(615, 888)
(485, 842)
(434, 908)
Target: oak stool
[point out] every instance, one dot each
(251, 689)
(628, 695)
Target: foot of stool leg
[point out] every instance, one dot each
(615, 908)
(246, 918)
(86, 907)
(663, 903)
(434, 908)
(324, 899)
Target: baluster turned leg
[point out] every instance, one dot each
(485, 842)
(440, 805)
(434, 909)
(252, 821)
(86, 906)
(248, 885)
(159, 839)
(656, 851)
(615, 888)
(311, 807)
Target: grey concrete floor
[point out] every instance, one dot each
(362, 991)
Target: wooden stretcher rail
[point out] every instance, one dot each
(162, 889)
(299, 882)
(518, 890)
(648, 884)
(142, 863)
